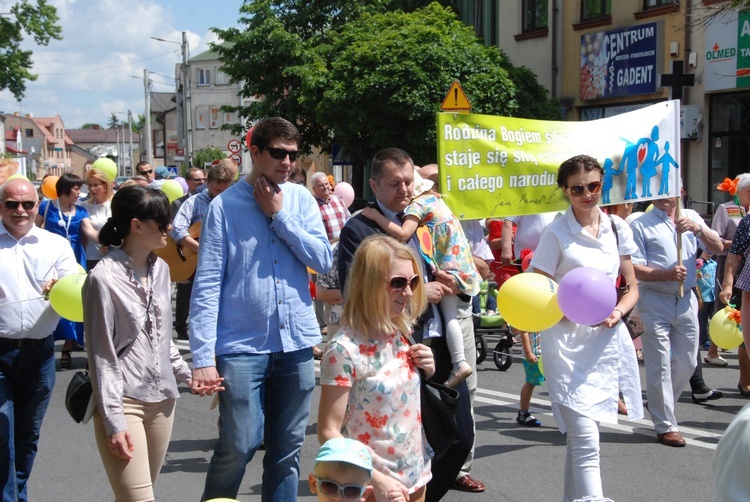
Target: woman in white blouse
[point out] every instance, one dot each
(98, 206)
(133, 363)
(585, 366)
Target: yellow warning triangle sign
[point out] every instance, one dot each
(456, 99)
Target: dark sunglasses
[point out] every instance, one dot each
(27, 205)
(146, 172)
(280, 153)
(593, 188)
(332, 488)
(399, 283)
(197, 179)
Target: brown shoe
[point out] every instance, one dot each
(468, 484)
(671, 439)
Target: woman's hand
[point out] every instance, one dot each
(423, 359)
(615, 317)
(120, 445)
(206, 381)
(387, 489)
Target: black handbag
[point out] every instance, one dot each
(78, 397)
(438, 414)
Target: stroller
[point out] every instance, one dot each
(490, 326)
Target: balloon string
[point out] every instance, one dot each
(21, 301)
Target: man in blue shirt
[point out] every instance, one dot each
(252, 321)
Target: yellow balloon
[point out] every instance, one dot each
(528, 302)
(80, 269)
(17, 176)
(49, 187)
(66, 299)
(541, 365)
(724, 332)
(649, 208)
(172, 189)
(107, 166)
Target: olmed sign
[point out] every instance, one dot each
(727, 55)
(493, 167)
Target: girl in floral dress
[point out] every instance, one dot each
(369, 378)
(451, 252)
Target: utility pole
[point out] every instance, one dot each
(187, 104)
(147, 144)
(130, 131)
(119, 155)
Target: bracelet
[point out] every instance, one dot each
(698, 233)
(620, 311)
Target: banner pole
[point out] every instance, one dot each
(677, 215)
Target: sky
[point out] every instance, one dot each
(97, 68)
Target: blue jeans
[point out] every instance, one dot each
(27, 377)
(277, 387)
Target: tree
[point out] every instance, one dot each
(356, 73)
(35, 19)
(90, 125)
(113, 122)
(208, 154)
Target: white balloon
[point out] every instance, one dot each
(632, 217)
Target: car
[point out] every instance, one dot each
(120, 180)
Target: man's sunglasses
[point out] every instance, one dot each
(27, 205)
(593, 188)
(280, 153)
(202, 180)
(146, 172)
(399, 283)
(332, 488)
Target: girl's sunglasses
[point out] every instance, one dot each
(332, 488)
(399, 283)
(593, 188)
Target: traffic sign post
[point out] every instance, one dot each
(234, 146)
(456, 100)
(237, 158)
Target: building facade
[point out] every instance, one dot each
(45, 139)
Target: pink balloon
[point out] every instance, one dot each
(345, 192)
(183, 183)
(586, 296)
(249, 137)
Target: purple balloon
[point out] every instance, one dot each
(586, 296)
(183, 183)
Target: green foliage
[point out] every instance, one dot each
(35, 19)
(363, 74)
(113, 122)
(208, 154)
(139, 123)
(91, 126)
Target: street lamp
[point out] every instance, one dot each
(186, 108)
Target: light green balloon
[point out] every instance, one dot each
(172, 189)
(66, 297)
(16, 176)
(107, 166)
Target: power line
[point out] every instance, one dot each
(78, 72)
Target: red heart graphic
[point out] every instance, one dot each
(641, 153)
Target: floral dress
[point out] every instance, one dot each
(451, 251)
(383, 411)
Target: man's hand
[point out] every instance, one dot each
(268, 195)
(678, 273)
(725, 295)
(436, 290)
(685, 224)
(47, 287)
(482, 267)
(206, 381)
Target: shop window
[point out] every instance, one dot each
(535, 15)
(594, 9)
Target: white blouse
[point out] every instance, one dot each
(586, 367)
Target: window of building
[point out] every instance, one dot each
(535, 14)
(204, 76)
(648, 4)
(29, 133)
(221, 78)
(593, 9)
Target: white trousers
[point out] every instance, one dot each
(582, 474)
(670, 349)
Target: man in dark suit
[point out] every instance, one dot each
(392, 181)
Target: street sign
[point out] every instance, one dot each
(234, 146)
(456, 100)
(237, 158)
(172, 170)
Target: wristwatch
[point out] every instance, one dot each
(698, 233)
(273, 215)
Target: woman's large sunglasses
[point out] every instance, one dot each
(399, 283)
(593, 188)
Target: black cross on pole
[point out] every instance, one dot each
(677, 80)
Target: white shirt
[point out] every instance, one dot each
(528, 230)
(585, 367)
(98, 214)
(25, 266)
(475, 235)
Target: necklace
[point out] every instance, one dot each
(65, 223)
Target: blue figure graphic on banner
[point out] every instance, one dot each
(665, 161)
(629, 165)
(607, 181)
(648, 162)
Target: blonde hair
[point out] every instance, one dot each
(367, 308)
(100, 176)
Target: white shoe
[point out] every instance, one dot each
(715, 361)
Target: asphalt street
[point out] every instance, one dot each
(516, 463)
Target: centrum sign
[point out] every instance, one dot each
(728, 51)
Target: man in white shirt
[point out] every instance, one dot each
(670, 342)
(31, 260)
